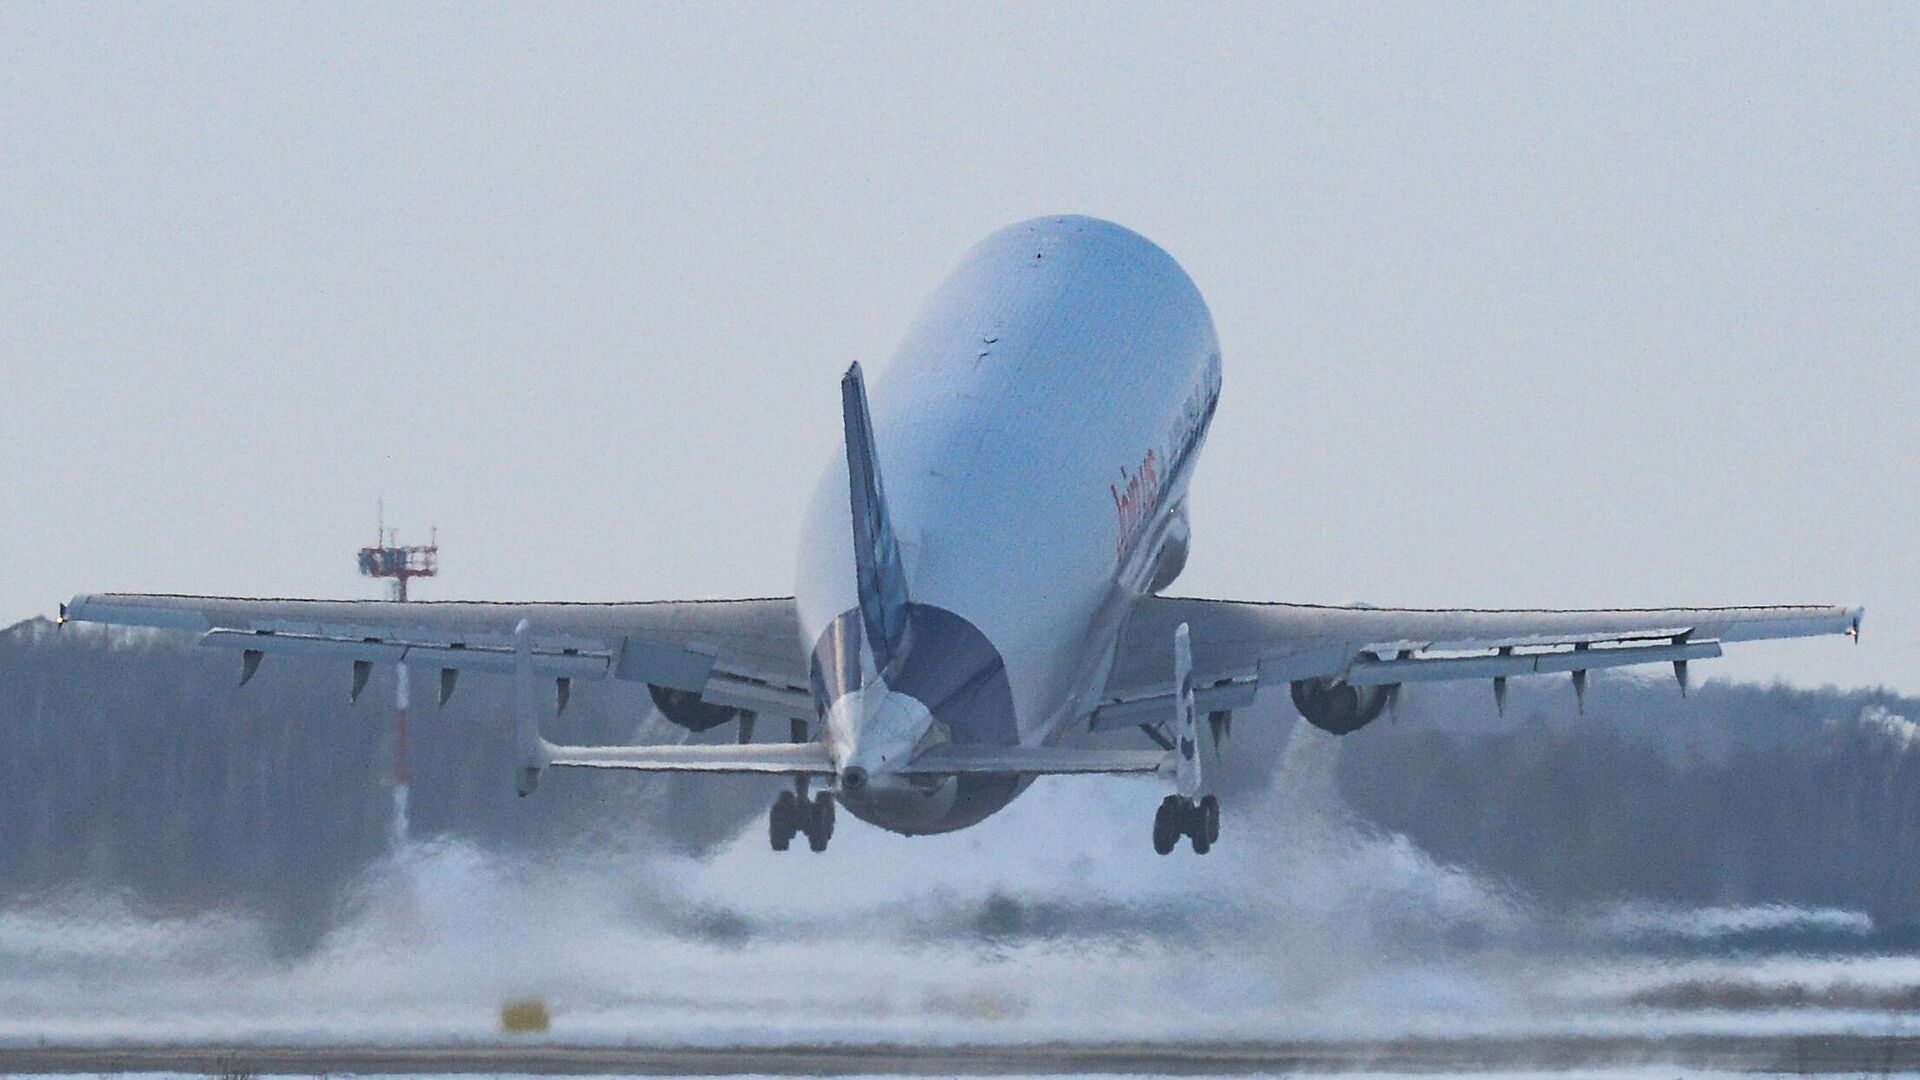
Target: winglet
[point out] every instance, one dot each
(876, 553)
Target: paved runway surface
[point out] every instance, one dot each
(1769, 1054)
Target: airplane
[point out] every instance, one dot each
(955, 627)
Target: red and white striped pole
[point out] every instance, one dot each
(402, 775)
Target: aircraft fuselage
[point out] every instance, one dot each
(1036, 432)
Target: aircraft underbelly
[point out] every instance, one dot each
(957, 802)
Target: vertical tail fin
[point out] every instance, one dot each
(876, 553)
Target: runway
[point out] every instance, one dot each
(1766, 1054)
(1322, 948)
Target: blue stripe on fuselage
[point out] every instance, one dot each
(948, 665)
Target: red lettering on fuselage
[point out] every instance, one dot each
(1133, 499)
(1138, 495)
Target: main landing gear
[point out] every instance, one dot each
(794, 813)
(1198, 820)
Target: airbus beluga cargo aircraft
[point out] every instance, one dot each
(955, 627)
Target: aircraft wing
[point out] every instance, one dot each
(743, 654)
(1241, 648)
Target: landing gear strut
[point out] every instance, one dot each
(1196, 819)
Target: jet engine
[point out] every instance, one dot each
(687, 710)
(1337, 706)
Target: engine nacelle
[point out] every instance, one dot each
(1337, 706)
(685, 708)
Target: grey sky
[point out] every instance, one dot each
(1555, 304)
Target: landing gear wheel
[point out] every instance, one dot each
(820, 821)
(1167, 824)
(1196, 819)
(783, 821)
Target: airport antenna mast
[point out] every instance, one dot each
(387, 559)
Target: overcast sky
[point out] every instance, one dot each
(1562, 305)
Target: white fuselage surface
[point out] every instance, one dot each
(1036, 431)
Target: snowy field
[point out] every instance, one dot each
(1050, 923)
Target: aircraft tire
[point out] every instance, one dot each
(820, 821)
(782, 820)
(1210, 812)
(1166, 825)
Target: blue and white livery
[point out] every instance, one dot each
(980, 579)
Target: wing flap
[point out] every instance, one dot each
(549, 661)
(1384, 646)
(678, 667)
(736, 653)
(1369, 672)
(1157, 703)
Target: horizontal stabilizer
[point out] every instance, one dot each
(792, 759)
(953, 760)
